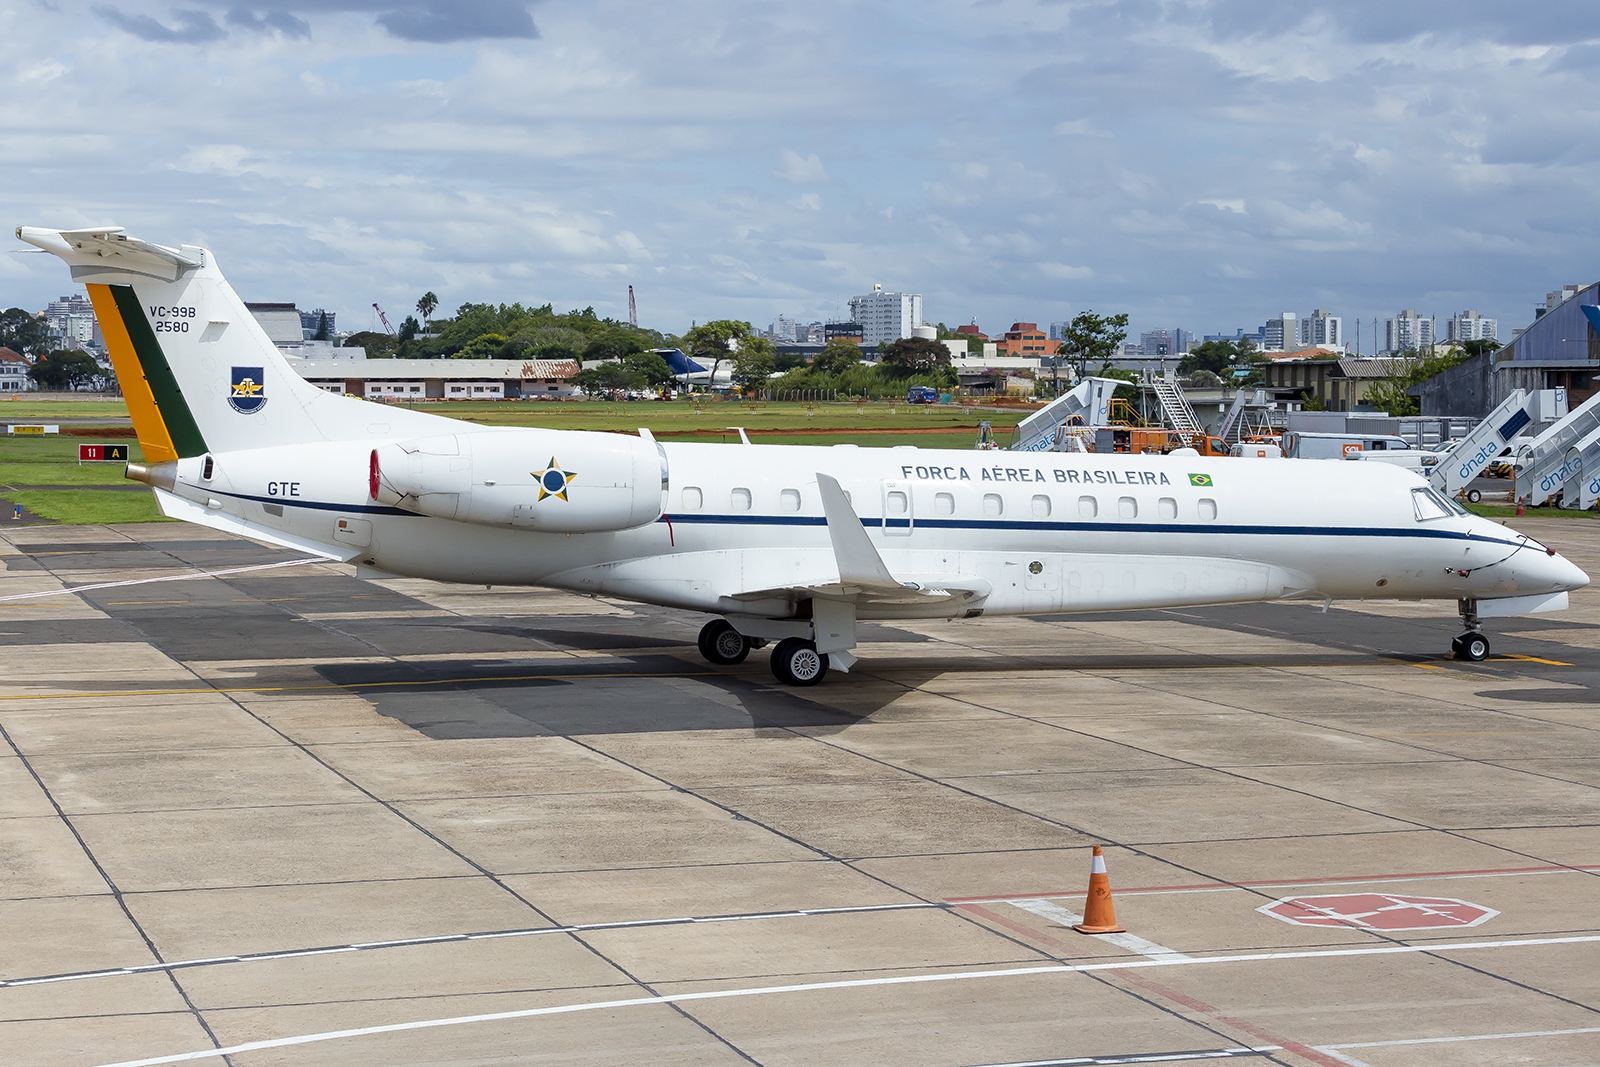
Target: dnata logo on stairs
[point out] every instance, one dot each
(249, 393)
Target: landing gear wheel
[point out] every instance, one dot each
(797, 662)
(721, 644)
(1473, 647)
(1474, 495)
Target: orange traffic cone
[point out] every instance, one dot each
(1098, 915)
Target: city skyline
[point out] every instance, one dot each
(492, 151)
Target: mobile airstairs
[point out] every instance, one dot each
(1180, 415)
(1057, 426)
(1555, 460)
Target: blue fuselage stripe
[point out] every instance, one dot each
(1011, 525)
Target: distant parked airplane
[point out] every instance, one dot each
(690, 372)
(787, 543)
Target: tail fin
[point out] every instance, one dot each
(198, 372)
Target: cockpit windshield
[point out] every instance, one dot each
(1429, 504)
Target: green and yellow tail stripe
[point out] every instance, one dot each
(161, 417)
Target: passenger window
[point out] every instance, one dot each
(896, 503)
(1208, 509)
(1429, 505)
(1088, 507)
(691, 498)
(992, 504)
(740, 499)
(1167, 507)
(1041, 506)
(1127, 507)
(789, 500)
(944, 504)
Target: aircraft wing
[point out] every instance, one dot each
(859, 574)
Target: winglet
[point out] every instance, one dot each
(859, 563)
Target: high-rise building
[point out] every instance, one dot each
(1282, 333)
(1058, 330)
(1156, 343)
(311, 321)
(1322, 328)
(1407, 331)
(1470, 326)
(886, 316)
(72, 322)
(782, 328)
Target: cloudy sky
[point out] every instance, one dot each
(1201, 164)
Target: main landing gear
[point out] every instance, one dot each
(1472, 646)
(795, 661)
(721, 644)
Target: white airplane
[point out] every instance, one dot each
(792, 544)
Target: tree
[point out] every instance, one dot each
(377, 345)
(427, 305)
(613, 344)
(24, 332)
(713, 341)
(649, 367)
(322, 327)
(914, 355)
(753, 362)
(1092, 338)
(607, 378)
(836, 356)
(66, 370)
(408, 329)
(1393, 392)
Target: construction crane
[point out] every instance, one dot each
(383, 318)
(633, 310)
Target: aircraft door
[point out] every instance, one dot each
(898, 517)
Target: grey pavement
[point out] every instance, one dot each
(352, 822)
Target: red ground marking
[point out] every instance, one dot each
(1332, 880)
(1195, 1004)
(1378, 911)
(1015, 927)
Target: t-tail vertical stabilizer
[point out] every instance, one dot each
(198, 372)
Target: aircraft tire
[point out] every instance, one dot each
(1474, 495)
(797, 662)
(1472, 647)
(721, 644)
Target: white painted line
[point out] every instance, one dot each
(486, 935)
(853, 983)
(1132, 942)
(169, 578)
(1464, 1037)
(1144, 1057)
(1345, 1058)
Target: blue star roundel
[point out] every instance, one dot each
(553, 481)
(248, 392)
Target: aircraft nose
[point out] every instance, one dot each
(1566, 574)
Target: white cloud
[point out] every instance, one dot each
(801, 170)
(1204, 164)
(1065, 272)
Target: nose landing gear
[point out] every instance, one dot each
(1472, 646)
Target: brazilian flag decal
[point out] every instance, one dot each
(1199, 479)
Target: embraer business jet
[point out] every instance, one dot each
(781, 543)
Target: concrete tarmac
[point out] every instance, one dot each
(286, 816)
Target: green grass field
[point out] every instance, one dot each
(32, 407)
(1498, 511)
(53, 461)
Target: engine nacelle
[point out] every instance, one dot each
(559, 481)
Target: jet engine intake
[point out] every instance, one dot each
(557, 481)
